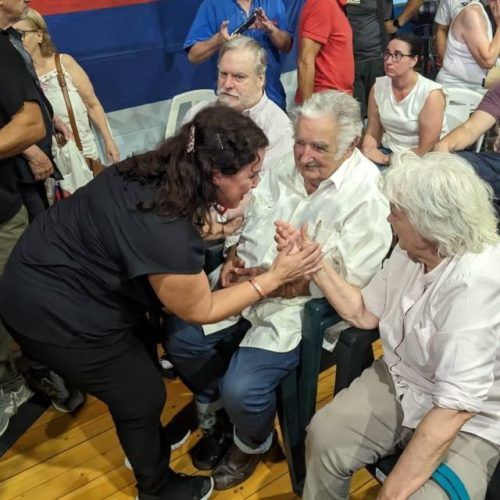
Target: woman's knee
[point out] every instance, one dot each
(327, 430)
(184, 339)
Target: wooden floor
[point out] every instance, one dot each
(78, 457)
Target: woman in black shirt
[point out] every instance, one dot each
(81, 278)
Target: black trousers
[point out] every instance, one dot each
(365, 73)
(125, 376)
(34, 198)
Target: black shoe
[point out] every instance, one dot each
(210, 449)
(182, 487)
(64, 397)
(178, 429)
(237, 466)
(213, 445)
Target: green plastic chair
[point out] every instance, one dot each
(297, 392)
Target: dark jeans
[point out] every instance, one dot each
(365, 73)
(487, 166)
(125, 376)
(247, 388)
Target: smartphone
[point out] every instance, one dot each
(245, 25)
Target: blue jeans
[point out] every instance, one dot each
(487, 166)
(244, 378)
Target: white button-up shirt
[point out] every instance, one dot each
(271, 119)
(441, 335)
(353, 233)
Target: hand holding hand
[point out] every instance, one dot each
(227, 274)
(294, 262)
(286, 233)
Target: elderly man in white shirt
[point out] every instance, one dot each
(240, 85)
(330, 186)
(436, 303)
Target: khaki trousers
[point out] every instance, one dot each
(364, 423)
(10, 232)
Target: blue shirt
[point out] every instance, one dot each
(209, 18)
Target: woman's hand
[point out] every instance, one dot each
(227, 274)
(294, 262)
(376, 156)
(286, 233)
(112, 153)
(61, 127)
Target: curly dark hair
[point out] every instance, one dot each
(182, 181)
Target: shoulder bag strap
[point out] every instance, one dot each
(71, 115)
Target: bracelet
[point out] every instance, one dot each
(258, 288)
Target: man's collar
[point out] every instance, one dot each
(255, 110)
(339, 175)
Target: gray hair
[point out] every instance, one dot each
(444, 199)
(344, 110)
(247, 43)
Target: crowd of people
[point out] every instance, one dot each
(390, 219)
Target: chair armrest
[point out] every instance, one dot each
(353, 353)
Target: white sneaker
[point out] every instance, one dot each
(10, 401)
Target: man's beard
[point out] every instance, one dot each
(236, 102)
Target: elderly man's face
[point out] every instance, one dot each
(239, 86)
(315, 150)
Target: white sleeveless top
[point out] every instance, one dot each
(400, 119)
(51, 88)
(459, 66)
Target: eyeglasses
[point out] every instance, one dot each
(396, 56)
(23, 32)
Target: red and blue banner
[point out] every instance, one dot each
(131, 49)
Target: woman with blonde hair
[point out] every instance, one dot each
(85, 104)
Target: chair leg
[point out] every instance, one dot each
(293, 440)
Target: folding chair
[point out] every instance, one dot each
(180, 106)
(462, 102)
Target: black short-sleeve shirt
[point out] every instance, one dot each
(16, 88)
(79, 272)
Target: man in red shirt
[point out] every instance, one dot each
(326, 59)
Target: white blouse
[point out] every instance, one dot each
(400, 119)
(53, 92)
(441, 335)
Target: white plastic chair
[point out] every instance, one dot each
(289, 81)
(181, 104)
(461, 103)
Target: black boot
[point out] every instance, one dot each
(216, 440)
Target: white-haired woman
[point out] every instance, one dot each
(85, 104)
(436, 303)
